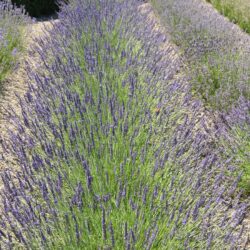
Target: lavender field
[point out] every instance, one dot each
(133, 131)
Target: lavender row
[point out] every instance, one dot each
(217, 49)
(217, 58)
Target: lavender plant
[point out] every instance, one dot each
(12, 22)
(237, 146)
(217, 57)
(216, 51)
(110, 146)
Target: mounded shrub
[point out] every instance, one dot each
(37, 8)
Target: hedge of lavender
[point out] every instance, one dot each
(218, 63)
(217, 51)
(12, 21)
(113, 150)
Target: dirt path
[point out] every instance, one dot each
(16, 84)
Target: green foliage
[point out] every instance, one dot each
(211, 72)
(237, 149)
(12, 33)
(238, 11)
(8, 54)
(37, 8)
(243, 157)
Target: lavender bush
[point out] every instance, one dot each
(217, 52)
(237, 146)
(217, 58)
(12, 21)
(113, 150)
